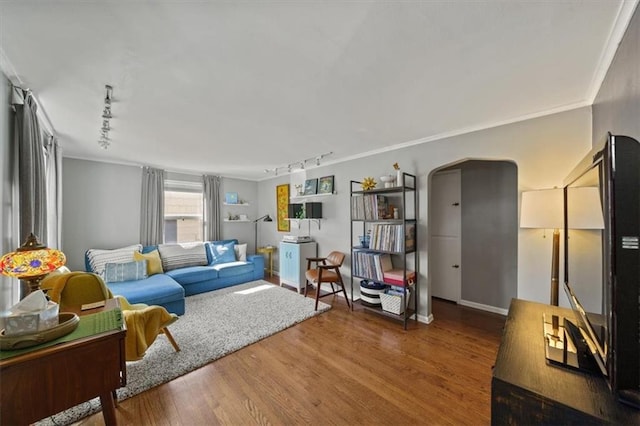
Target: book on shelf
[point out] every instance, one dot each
(369, 207)
(371, 265)
(396, 276)
(410, 236)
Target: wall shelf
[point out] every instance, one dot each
(306, 197)
(236, 204)
(236, 220)
(297, 221)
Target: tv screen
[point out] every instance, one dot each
(602, 258)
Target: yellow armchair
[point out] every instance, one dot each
(144, 322)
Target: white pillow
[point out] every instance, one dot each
(241, 251)
(98, 258)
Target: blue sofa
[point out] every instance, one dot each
(170, 288)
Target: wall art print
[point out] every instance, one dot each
(282, 205)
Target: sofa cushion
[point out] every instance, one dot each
(97, 258)
(176, 256)
(241, 251)
(193, 274)
(127, 271)
(222, 253)
(154, 263)
(233, 268)
(155, 290)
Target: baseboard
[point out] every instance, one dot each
(482, 307)
(425, 319)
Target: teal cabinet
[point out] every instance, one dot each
(293, 263)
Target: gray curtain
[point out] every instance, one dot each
(31, 171)
(152, 207)
(212, 218)
(53, 171)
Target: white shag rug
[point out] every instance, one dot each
(214, 324)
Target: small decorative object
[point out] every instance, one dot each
(231, 198)
(368, 183)
(364, 240)
(388, 180)
(310, 186)
(31, 262)
(399, 181)
(299, 189)
(325, 185)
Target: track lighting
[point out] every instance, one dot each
(105, 141)
(301, 165)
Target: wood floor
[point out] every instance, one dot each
(340, 367)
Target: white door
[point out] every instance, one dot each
(445, 223)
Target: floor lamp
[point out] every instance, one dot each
(543, 209)
(265, 218)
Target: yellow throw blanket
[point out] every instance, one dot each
(143, 326)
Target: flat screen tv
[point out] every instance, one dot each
(602, 262)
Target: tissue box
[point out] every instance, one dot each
(19, 322)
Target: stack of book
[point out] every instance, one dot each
(366, 264)
(369, 207)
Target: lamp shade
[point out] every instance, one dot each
(31, 263)
(584, 209)
(542, 209)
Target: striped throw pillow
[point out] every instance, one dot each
(98, 257)
(128, 271)
(176, 256)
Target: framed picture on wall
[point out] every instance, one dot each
(310, 186)
(282, 207)
(231, 198)
(325, 185)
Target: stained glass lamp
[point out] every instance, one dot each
(31, 262)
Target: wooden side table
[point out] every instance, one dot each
(46, 381)
(269, 250)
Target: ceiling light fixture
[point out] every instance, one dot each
(105, 140)
(298, 164)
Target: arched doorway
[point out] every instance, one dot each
(473, 241)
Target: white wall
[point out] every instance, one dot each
(544, 150)
(101, 207)
(242, 231)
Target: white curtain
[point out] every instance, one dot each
(53, 172)
(212, 219)
(152, 207)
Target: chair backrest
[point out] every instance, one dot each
(76, 288)
(335, 258)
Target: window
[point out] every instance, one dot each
(183, 212)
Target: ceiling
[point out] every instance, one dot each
(234, 88)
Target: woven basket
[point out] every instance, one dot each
(392, 303)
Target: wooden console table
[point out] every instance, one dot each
(526, 390)
(47, 381)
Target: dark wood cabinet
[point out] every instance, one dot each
(527, 390)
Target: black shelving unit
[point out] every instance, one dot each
(369, 214)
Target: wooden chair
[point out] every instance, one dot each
(327, 270)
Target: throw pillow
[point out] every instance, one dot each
(222, 253)
(154, 263)
(241, 251)
(98, 257)
(176, 256)
(128, 271)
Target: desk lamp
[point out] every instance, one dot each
(31, 262)
(265, 218)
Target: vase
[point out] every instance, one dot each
(399, 181)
